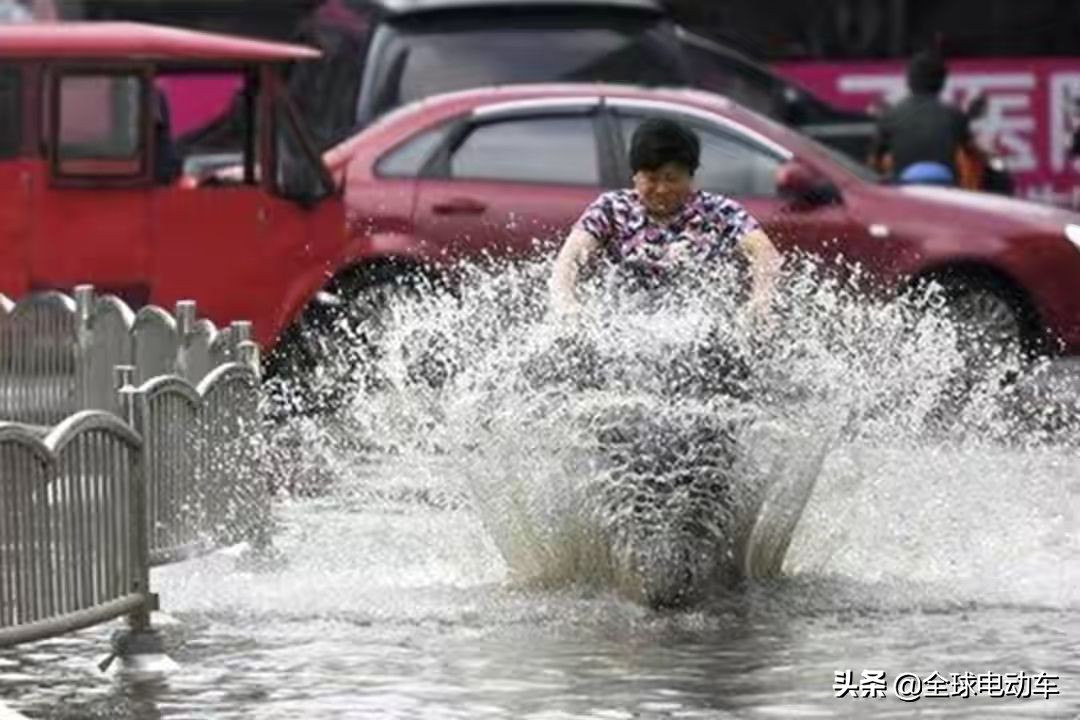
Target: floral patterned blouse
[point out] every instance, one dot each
(706, 228)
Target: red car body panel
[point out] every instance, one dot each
(895, 234)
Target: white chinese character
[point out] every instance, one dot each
(963, 684)
(1018, 685)
(1045, 685)
(991, 684)
(889, 87)
(1008, 123)
(935, 686)
(872, 684)
(844, 684)
(1064, 120)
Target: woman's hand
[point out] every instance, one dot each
(575, 252)
(765, 264)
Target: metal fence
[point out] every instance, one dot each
(72, 530)
(200, 459)
(89, 506)
(57, 353)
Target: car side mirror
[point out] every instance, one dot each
(800, 184)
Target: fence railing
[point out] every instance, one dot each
(72, 530)
(89, 506)
(199, 460)
(57, 353)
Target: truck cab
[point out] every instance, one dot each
(108, 176)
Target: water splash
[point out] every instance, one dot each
(607, 455)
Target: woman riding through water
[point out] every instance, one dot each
(663, 222)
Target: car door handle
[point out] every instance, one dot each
(459, 206)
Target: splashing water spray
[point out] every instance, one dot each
(667, 445)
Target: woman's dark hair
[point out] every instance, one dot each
(659, 141)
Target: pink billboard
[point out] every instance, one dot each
(1032, 111)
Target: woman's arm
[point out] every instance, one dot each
(576, 251)
(765, 263)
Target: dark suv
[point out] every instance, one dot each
(381, 54)
(398, 51)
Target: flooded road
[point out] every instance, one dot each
(439, 577)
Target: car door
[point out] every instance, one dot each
(743, 165)
(510, 183)
(91, 204)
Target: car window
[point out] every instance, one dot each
(408, 159)
(99, 124)
(559, 150)
(10, 112)
(416, 62)
(730, 165)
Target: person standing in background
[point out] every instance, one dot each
(922, 138)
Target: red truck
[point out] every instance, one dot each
(98, 188)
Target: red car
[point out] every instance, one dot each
(489, 171)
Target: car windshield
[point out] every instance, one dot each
(418, 62)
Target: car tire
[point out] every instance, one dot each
(991, 322)
(333, 349)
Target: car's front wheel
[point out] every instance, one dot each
(334, 348)
(990, 322)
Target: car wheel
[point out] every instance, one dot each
(334, 348)
(989, 321)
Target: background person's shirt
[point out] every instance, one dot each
(922, 128)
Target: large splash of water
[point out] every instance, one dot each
(620, 450)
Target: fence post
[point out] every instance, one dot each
(185, 326)
(240, 332)
(84, 310)
(247, 353)
(140, 647)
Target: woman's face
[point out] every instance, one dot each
(664, 190)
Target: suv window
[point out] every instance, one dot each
(561, 150)
(730, 165)
(99, 122)
(410, 61)
(726, 76)
(10, 111)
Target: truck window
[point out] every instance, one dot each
(98, 125)
(212, 134)
(297, 173)
(10, 111)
